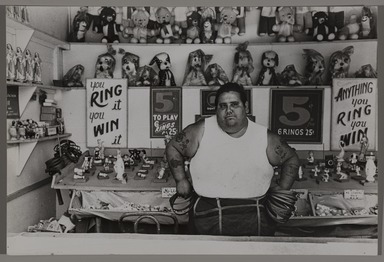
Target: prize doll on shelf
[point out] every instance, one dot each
(243, 66)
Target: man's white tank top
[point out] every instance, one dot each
(229, 167)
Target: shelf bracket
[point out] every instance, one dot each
(25, 94)
(25, 151)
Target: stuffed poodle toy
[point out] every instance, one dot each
(314, 68)
(108, 25)
(285, 27)
(267, 75)
(81, 24)
(226, 27)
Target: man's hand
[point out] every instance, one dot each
(184, 188)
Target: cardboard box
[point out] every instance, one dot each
(48, 110)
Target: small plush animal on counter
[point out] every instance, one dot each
(194, 73)
(11, 69)
(163, 62)
(208, 34)
(108, 25)
(193, 31)
(168, 30)
(351, 30)
(285, 27)
(366, 71)
(130, 64)
(73, 77)
(321, 27)
(105, 66)
(146, 76)
(290, 77)
(267, 75)
(226, 27)
(140, 31)
(81, 23)
(243, 66)
(314, 68)
(215, 75)
(339, 62)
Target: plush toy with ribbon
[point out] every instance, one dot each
(194, 74)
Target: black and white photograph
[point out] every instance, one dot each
(172, 130)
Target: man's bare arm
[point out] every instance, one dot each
(279, 153)
(183, 145)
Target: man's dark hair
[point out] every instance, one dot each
(228, 87)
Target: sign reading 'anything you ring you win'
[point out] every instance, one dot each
(107, 112)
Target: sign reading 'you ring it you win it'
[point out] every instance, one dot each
(297, 114)
(165, 118)
(107, 112)
(354, 115)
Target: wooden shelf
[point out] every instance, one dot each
(39, 140)
(13, 83)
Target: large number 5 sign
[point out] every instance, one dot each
(296, 114)
(165, 100)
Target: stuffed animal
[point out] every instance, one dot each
(140, 32)
(11, 69)
(226, 27)
(215, 75)
(81, 23)
(168, 31)
(163, 62)
(243, 66)
(73, 77)
(194, 73)
(303, 18)
(339, 63)
(285, 27)
(206, 12)
(267, 21)
(290, 77)
(351, 30)
(321, 29)
(267, 75)
(105, 66)
(181, 18)
(20, 65)
(208, 34)
(37, 71)
(130, 64)
(193, 31)
(240, 20)
(314, 68)
(366, 71)
(108, 25)
(368, 25)
(146, 76)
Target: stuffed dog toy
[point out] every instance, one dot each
(193, 31)
(108, 25)
(267, 75)
(215, 75)
(81, 24)
(351, 30)
(130, 64)
(290, 77)
(194, 74)
(163, 62)
(146, 76)
(105, 66)
(73, 76)
(168, 31)
(207, 34)
(339, 63)
(243, 65)
(315, 67)
(366, 71)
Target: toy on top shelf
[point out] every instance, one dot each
(314, 68)
(267, 75)
(366, 71)
(240, 20)
(267, 21)
(339, 62)
(11, 65)
(105, 66)
(321, 28)
(193, 30)
(351, 30)
(74, 76)
(215, 75)
(194, 73)
(303, 18)
(290, 77)
(81, 24)
(129, 65)
(140, 31)
(207, 32)
(243, 65)
(108, 25)
(146, 76)
(180, 15)
(286, 25)
(226, 27)
(163, 62)
(368, 24)
(168, 30)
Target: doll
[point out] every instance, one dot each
(267, 21)
(130, 65)
(226, 27)
(368, 24)
(339, 62)
(81, 23)
(193, 31)
(108, 25)
(194, 74)
(267, 75)
(208, 34)
(20, 65)
(286, 25)
(119, 168)
(315, 66)
(29, 66)
(168, 30)
(215, 75)
(243, 65)
(73, 77)
(163, 62)
(181, 18)
(11, 66)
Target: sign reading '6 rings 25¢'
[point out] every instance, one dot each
(296, 114)
(165, 118)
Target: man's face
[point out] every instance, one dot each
(231, 112)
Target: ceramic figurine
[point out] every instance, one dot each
(311, 158)
(364, 144)
(316, 170)
(342, 175)
(100, 144)
(85, 165)
(146, 160)
(353, 161)
(300, 172)
(29, 66)
(20, 65)
(22, 132)
(11, 67)
(357, 170)
(37, 69)
(370, 168)
(340, 156)
(325, 176)
(119, 168)
(13, 131)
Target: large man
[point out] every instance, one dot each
(231, 167)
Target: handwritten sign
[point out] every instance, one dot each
(353, 194)
(354, 103)
(165, 118)
(297, 114)
(167, 192)
(107, 112)
(13, 102)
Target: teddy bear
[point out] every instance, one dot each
(285, 27)
(226, 27)
(108, 25)
(243, 65)
(351, 30)
(193, 31)
(321, 28)
(140, 32)
(168, 30)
